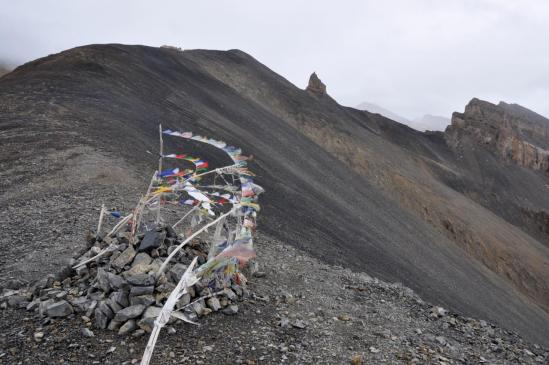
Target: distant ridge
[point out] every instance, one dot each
(426, 122)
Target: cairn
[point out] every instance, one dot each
(121, 292)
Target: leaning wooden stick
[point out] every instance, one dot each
(120, 224)
(187, 280)
(158, 216)
(100, 223)
(174, 252)
(185, 216)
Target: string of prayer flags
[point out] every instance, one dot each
(170, 172)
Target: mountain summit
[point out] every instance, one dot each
(458, 216)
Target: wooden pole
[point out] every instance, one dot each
(100, 223)
(158, 215)
(174, 252)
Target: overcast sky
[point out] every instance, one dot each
(412, 57)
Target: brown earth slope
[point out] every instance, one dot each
(446, 214)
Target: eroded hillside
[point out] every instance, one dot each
(350, 187)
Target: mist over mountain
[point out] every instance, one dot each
(459, 216)
(422, 124)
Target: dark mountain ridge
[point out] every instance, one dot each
(441, 213)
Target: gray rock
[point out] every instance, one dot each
(129, 313)
(299, 324)
(18, 301)
(114, 305)
(102, 280)
(101, 319)
(183, 301)
(106, 309)
(35, 304)
(170, 232)
(114, 325)
(116, 282)
(59, 309)
(38, 336)
(146, 324)
(145, 300)
(213, 303)
(230, 310)
(141, 290)
(82, 271)
(142, 258)
(141, 280)
(138, 333)
(152, 312)
(86, 332)
(124, 258)
(176, 272)
(121, 298)
(80, 304)
(198, 307)
(441, 340)
(151, 240)
(128, 327)
(230, 295)
(140, 268)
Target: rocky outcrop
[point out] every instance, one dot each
(316, 85)
(510, 131)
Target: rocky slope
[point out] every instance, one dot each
(329, 315)
(349, 187)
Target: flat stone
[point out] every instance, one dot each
(152, 312)
(138, 333)
(129, 313)
(213, 304)
(141, 290)
(140, 268)
(59, 309)
(141, 280)
(142, 258)
(145, 300)
(230, 310)
(125, 258)
(151, 240)
(128, 327)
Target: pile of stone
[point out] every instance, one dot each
(120, 291)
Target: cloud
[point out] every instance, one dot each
(413, 57)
